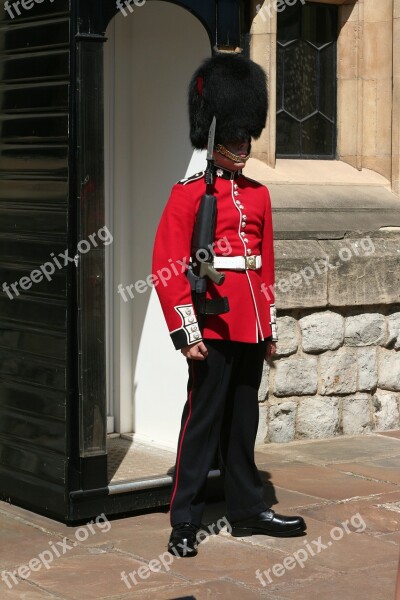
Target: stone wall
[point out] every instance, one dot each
(335, 372)
(337, 366)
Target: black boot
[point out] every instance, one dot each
(269, 523)
(183, 541)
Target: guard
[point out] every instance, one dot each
(220, 309)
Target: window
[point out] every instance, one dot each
(306, 81)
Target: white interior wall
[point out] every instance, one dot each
(150, 56)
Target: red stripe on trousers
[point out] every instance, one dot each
(181, 442)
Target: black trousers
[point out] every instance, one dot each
(221, 416)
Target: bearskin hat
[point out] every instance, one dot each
(234, 89)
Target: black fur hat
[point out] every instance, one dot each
(234, 89)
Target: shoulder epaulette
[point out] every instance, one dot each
(192, 178)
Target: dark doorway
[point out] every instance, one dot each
(306, 82)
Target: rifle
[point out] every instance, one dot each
(202, 244)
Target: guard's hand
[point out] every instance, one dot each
(196, 351)
(270, 350)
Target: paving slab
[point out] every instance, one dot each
(280, 498)
(119, 529)
(208, 590)
(287, 500)
(376, 583)
(283, 502)
(324, 482)
(20, 543)
(35, 520)
(380, 469)
(394, 434)
(99, 577)
(380, 513)
(329, 482)
(222, 555)
(393, 538)
(341, 449)
(26, 591)
(324, 545)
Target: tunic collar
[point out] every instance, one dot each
(226, 173)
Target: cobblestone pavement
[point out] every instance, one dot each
(347, 489)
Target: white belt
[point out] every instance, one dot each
(237, 262)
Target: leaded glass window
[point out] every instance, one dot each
(306, 81)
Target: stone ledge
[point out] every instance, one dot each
(360, 269)
(329, 211)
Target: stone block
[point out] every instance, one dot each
(386, 410)
(347, 108)
(379, 164)
(384, 98)
(282, 422)
(338, 372)
(322, 331)
(349, 159)
(378, 48)
(396, 44)
(393, 330)
(347, 55)
(367, 368)
(373, 264)
(300, 274)
(288, 341)
(296, 377)
(265, 20)
(366, 329)
(262, 430)
(395, 114)
(389, 369)
(317, 417)
(264, 386)
(356, 414)
(369, 92)
(378, 11)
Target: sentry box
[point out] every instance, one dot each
(93, 117)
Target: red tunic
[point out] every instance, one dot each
(244, 227)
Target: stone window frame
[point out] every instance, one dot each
(368, 133)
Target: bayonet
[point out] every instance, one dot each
(209, 175)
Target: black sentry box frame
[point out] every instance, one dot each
(53, 457)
